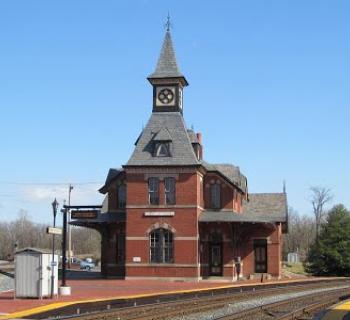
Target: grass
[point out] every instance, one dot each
(297, 268)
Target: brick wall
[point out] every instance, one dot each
(183, 224)
(192, 194)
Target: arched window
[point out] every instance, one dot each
(162, 150)
(215, 196)
(161, 246)
(122, 196)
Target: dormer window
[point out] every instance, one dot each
(161, 143)
(162, 149)
(215, 196)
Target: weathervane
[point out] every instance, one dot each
(168, 24)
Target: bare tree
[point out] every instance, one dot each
(27, 233)
(301, 234)
(320, 196)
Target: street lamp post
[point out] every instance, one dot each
(54, 209)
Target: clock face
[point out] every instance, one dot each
(165, 96)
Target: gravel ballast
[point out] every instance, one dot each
(251, 303)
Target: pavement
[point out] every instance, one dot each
(97, 289)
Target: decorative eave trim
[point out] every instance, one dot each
(162, 169)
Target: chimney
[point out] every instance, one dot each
(200, 146)
(199, 137)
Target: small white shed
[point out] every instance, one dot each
(33, 272)
(293, 257)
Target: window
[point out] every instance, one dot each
(162, 150)
(161, 246)
(120, 247)
(122, 196)
(153, 190)
(215, 196)
(169, 183)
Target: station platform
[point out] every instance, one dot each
(340, 311)
(97, 290)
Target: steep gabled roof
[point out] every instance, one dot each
(112, 174)
(261, 207)
(230, 172)
(167, 66)
(270, 206)
(182, 152)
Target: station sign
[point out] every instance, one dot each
(52, 230)
(84, 214)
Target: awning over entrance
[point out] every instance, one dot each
(102, 218)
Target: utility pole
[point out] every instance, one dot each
(64, 245)
(64, 289)
(70, 188)
(54, 209)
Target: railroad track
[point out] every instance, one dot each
(199, 307)
(299, 308)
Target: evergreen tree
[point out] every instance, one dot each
(330, 256)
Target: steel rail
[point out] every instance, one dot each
(310, 309)
(272, 310)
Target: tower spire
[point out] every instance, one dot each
(168, 23)
(167, 80)
(167, 66)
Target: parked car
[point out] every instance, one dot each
(87, 264)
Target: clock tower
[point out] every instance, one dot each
(167, 80)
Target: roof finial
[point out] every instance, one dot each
(284, 186)
(168, 23)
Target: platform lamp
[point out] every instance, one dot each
(54, 210)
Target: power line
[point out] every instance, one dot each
(49, 183)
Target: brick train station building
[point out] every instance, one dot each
(170, 214)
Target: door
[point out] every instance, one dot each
(215, 265)
(260, 255)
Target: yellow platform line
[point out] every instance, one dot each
(58, 305)
(338, 312)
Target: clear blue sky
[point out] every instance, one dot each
(269, 90)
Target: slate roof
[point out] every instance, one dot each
(182, 153)
(261, 207)
(162, 135)
(230, 172)
(167, 66)
(112, 174)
